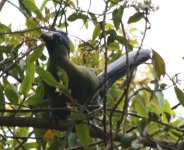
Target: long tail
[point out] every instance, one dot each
(119, 68)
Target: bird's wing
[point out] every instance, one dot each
(119, 68)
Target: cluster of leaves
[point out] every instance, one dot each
(147, 121)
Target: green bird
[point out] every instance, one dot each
(84, 84)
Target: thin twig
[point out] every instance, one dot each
(105, 71)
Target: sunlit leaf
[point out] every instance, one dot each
(31, 24)
(4, 28)
(159, 64)
(180, 95)
(166, 112)
(139, 106)
(30, 4)
(43, 5)
(71, 3)
(96, 31)
(72, 47)
(31, 145)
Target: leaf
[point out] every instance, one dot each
(40, 90)
(159, 64)
(73, 17)
(72, 47)
(93, 18)
(140, 106)
(28, 79)
(166, 112)
(2, 99)
(47, 77)
(160, 97)
(43, 5)
(37, 97)
(50, 134)
(63, 76)
(31, 24)
(4, 28)
(11, 94)
(30, 4)
(179, 95)
(71, 4)
(33, 100)
(136, 17)
(112, 36)
(36, 53)
(83, 134)
(116, 17)
(96, 32)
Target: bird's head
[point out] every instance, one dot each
(56, 40)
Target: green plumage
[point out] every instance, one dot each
(82, 81)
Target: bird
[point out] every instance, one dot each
(84, 85)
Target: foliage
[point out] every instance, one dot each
(136, 114)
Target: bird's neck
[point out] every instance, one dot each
(63, 61)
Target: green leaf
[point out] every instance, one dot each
(31, 24)
(47, 77)
(93, 18)
(136, 17)
(40, 90)
(180, 95)
(166, 112)
(43, 5)
(83, 134)
(2, 99)
(160, 97)
(140, 106)
(73, 17)
(71, 4)
(30, 4)
(28, 79)
(63, 76)
(96, 32)
(36, 53)
(33, 100)
(72, 47)
(11, 94)
(116, 17)
(159, 64)
(112, 36)
(4, 28)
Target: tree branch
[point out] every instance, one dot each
(96, 132)
(2, 4)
